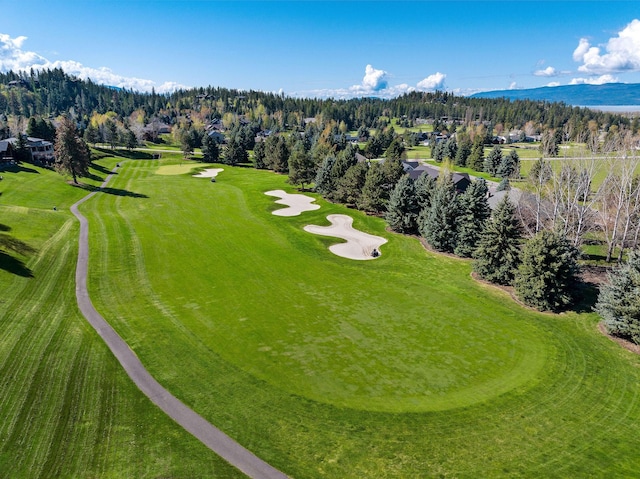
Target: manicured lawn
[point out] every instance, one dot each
(327, 367)
(67, 408)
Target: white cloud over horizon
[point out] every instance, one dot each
(376, 83)
(601, 80)
(547, 72)
(13, 57)
(622, 53)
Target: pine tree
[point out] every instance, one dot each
(493, 160)
(471, 220)
(259, 160)
(548, 273)
(71, 152)
(509, 166)
(463, 153)
(210, 149)
(349, 187)
(374, 196)
(234, 153)
(302, 170)
(497, 255)
(424, 187)
(619, 300)
(324, 183)
(403, 208)
(476, 158)
(439, 223)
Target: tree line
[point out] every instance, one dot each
(51, 92)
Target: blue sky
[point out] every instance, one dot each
(330, 48)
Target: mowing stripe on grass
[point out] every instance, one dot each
(195, 424)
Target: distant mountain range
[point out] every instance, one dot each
(609, 94)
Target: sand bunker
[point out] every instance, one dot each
(296, 203)
(359, 245)
(209, 173)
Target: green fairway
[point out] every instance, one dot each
(328, 367)
(68, 409)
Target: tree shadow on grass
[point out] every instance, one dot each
(131, 154)
(4, 227)
(9, 263)
(18, 169)
(14, 266)
(110, 191)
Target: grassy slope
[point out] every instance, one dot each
(399, 367)
(68, 409)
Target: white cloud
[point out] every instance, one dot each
(513, 86)
(622, 53)
(553, 83)
(376, 83)
(601, 80)
(12, 57)
(374, 80)
(547, 72)
(432, 82)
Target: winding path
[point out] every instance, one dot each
(210, 436)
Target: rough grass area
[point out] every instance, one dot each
(327, 367)
(67, 408)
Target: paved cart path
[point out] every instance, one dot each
(204, 431)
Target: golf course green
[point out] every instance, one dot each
(323, 366)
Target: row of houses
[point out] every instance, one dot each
(41, 151)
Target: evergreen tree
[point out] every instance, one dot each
(349, 187)
(403, 208)
(302, 170)
(493, 160)
(234, 153)
(450, 149)
(619, 300)
(497, 255)
(396, 150)
(32, 129)
(259, 156)
(470, 222)
(393, 171)
(509, 166)
(374, 197)
(476, 158)
(130, 139)
(504, 185)
(424, 186)
(71, 152)
(92, 135)
(548, 273)
(277, 154)
(437, 151)
(324, 181)
(21, 151)
(463, 153)
(439, 223)
(210, 149)
(343, 163)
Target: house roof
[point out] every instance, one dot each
(460, 180)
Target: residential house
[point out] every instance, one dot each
(460, 180)
(41, 151)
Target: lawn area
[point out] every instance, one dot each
(67, 407)
(326, 367)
